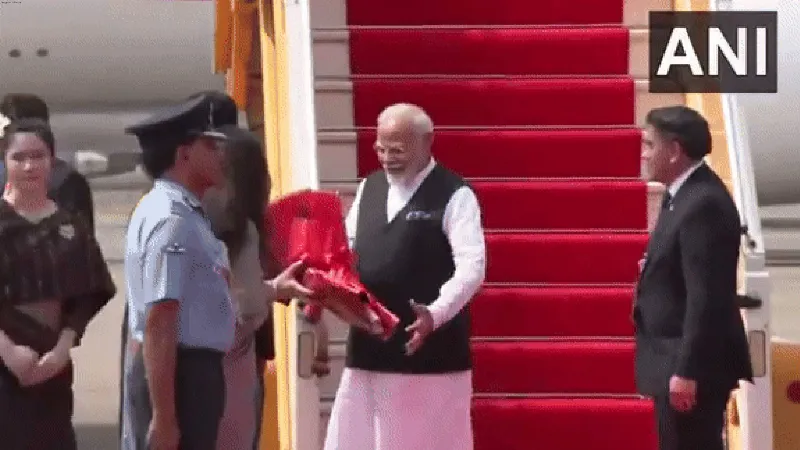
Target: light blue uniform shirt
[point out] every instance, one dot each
(172, 254)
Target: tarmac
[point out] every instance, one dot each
(97, 360)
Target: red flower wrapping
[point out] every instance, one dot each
(312, 221)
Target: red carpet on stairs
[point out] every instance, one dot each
(482, 12)
(537, 153)
(575, 258)
(533, 104)
(501, 101)
(588, 201)
(537, 423)
(498, 365)
(552, 311)
(593, 51)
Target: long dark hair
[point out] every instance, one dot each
(248, 176)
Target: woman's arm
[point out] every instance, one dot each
(6, 345)
(252, 296)
(81, 309)
(19, 360)
(78, 312)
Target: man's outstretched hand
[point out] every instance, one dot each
(420, 329)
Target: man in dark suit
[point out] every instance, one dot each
(691, 347)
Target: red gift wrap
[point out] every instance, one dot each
(308, 226)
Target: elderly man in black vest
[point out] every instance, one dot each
(416, 228)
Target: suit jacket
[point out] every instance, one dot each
(685, 314)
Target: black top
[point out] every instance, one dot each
(687, 320)
(408, 258)
(55, 258)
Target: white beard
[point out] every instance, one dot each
(399, 179)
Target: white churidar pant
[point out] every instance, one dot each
(387, 411)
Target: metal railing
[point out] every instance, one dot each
(744, 183)
(753, 401)
(741, 165)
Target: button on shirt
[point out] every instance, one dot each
(172, 254)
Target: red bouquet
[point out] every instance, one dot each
(308, 226)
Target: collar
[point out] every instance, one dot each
(681, 180)
(416, 180)
(4, 122)
(188, 196)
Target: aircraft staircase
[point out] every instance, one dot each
(537, 103)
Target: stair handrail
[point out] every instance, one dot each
(753, 401)
(742, 171)
(743, 177)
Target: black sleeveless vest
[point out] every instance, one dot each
(408, 258)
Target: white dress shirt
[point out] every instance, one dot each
(462, 226)
(678, 182)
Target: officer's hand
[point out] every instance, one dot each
(163, 434)
(288, 287)
(420, 329)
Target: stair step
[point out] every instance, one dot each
(552, 311)
(559, 366)
(549, 51)
(481, 77)
(563, 424)
(556, 396)
(533, 103)
(564, 258)
(609, 101)
(527, 153)
(328, 31)
(580, 205)
(481, 12)
(577, 232)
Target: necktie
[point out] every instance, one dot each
(667, 201)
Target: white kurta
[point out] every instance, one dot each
(392, 411)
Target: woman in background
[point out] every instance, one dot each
(237, 217)
(53, 282)
(66, 186)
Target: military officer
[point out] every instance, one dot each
(181, 316)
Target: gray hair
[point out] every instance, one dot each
(416, 116)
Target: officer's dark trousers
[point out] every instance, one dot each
(199, 397)
(36, 417)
